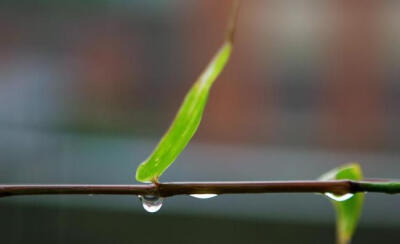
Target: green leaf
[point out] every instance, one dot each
(348, 212)
(186, 121)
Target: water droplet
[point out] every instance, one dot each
(151, 203)
(339, 198)
(203, 196)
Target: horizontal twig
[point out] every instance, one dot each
(185, 188)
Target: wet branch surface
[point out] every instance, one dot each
(339, 187)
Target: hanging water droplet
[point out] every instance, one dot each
(203, 196)
(339, 198)
(151, 203)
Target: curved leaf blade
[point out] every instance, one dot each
(186, 121)
(348, 212)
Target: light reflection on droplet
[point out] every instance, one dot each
(339, 198)
(203, 196)
(151, 203)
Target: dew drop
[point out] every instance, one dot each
(339, 198)
(203, 196)
(151, 203)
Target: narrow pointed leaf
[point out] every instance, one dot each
(348, 212)
(186, 121)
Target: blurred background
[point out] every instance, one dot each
(88, 87)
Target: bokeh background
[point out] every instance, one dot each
(88, 87)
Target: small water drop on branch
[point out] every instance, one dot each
(151, 203)
(203, 196)
(339, 198)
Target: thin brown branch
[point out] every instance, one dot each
(233, 16)
(186, 188)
